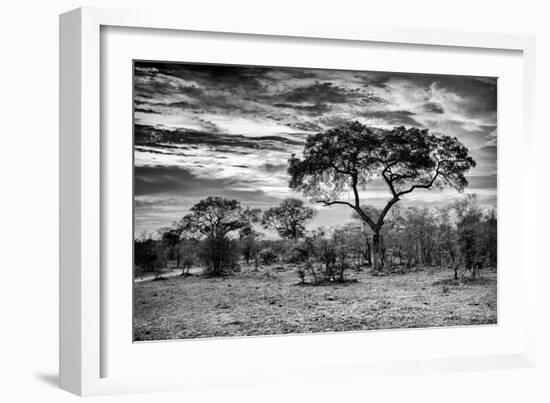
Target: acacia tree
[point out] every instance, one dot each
(188, 249)
(349, 157)
(476, 235)
(249, 244)
(447, 237)
(288, 219)
(215, 218)
(357, 243)
(171, 238)
(148, 256)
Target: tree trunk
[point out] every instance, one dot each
(377, 259)
(368, 254)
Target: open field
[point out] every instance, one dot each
(254, 303)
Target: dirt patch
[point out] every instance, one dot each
(252, 303)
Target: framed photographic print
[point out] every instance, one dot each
(251, 187)
(238, 198)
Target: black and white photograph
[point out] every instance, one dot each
(287, 200)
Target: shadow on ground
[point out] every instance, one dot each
(49, 379)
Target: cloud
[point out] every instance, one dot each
(177, 182)
(313, 109)
(433, 107)
(151, 180)
(165, 194)
(146, 135)
(395, 118)
(316, 93)
(482, 182)
(229, 130)
(274, 167)
(306, 126)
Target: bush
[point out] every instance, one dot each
(302, 275)
(188, 253)
(149, 257)
(219, 255)
(268, 256)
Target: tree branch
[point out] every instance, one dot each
(390, 184)
(330, 203)
(359, 210)
(425, 186)
(340, 171)
(385, 210)
(355, 191)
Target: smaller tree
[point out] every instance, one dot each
(149, 256)
(325, 255)
(490, 238)
(188, 250)
(170, 241)
(447, 239)
(219, 255)
(352, 240)
(289, 218)
(249, 244)
(341, 240)
(215, 219)
(267, 256)
(469, 229)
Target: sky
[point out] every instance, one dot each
(217, 130)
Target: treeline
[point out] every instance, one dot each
(220, 235)
(458, 235)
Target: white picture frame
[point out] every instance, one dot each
(82, 173)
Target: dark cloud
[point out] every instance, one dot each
(333, 121)
(182, 105)
(370, 99)
(313, 110)
(153, 180)
(161, 150)
(394, 117)
(272, 168)
(480, 93)
(170, 192)
(163, 179)
(486, 157)
(433, 107)
(238, 79)
(146, 110)
(488, 151)
(284, 140)
(149, 86)
(375, 79)
(289, 73)
(317, 93)
(159, 205)
(305, 126)
(482, 182)
(147, 135)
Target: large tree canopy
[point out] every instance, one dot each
(344, 160)
(347, 158)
